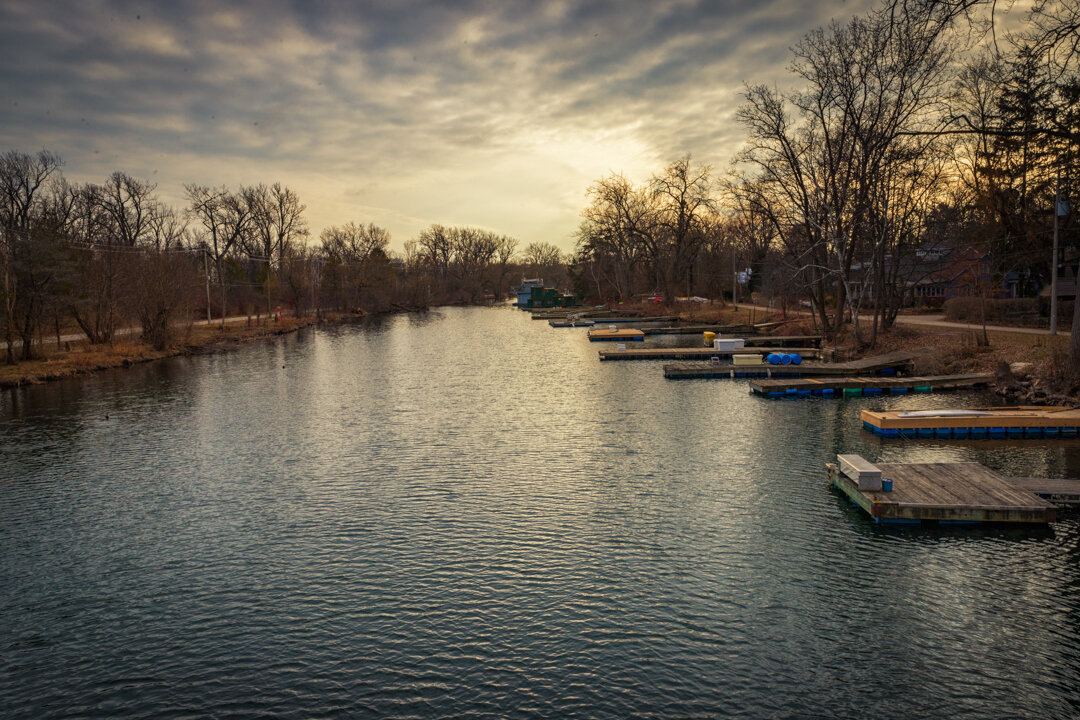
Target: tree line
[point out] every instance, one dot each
(99, 257)
(911, 131)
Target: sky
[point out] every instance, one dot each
(401, 113)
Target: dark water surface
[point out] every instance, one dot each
(465, 514)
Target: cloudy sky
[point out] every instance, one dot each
(402, 113)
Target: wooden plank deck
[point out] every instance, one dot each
(891, 362)
(571, 323)
(1061, 492)
(993, 422)
(772, 340)
(946, 492)
(704, 354)
(867, 385)
(762, 345)
(900, 358)
(699, 329)
(602, 334)
(563, 313)
(633, 319)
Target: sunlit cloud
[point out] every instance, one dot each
(399, 113)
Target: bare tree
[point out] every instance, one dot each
(224, 220)
(350, 253)
(34, 209)
(822, 178)
(683, 194)
(618, 232)
(129, 205)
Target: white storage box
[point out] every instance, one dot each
(729, 344)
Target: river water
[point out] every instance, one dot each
(464, 514)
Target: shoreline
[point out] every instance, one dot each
(84, 359)
(1031, 357)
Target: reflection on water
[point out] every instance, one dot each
(466, 514)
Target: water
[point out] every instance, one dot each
(464, 514)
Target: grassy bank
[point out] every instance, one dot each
(78, 358)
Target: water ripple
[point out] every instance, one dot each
(467, 515)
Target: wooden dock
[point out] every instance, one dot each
(705, 354)
(700, 329)
(888, 364)
(934, 493)
(1061, 492)
(763, 345)
(867, 385)
(566, 312)
(801, 341)
(977, 423)
(604, 334)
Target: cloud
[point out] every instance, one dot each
(401, 113)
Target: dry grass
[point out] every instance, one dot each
(80, 358)
(710, 314)
(960, 351)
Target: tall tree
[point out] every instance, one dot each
(683, 195)
(35, 206)
(224, 220)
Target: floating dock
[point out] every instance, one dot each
(571, 323)
(630, 319)
(706, 354)
(889, 364)
(935, 493)
(1063, 493)
(603, 334)
(763, 345)
(868, 385)
(978, 423)
(565, 313)
(700, 329)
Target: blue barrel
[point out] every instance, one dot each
(796, 359)
(785, 359)
(772, 359)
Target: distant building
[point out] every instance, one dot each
(960, 272)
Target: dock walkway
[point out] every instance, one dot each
(883, 364)
(762, 345)
(867, 385)
(1061, 492)
(702, 354)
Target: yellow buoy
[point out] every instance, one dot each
(709, 337)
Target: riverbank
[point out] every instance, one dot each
(1030, 366)
(80, 358)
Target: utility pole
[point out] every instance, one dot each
(1054, 265)
(206, 270)
(734, 279)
